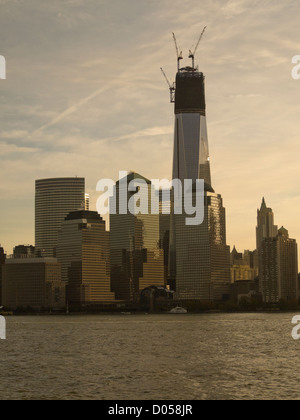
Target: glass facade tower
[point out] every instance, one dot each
(137, 261)
(191, 152)
(199, 261)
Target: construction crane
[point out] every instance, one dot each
(192, 54)
(171, 87)
(179, 55)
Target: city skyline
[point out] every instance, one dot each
(60, 100)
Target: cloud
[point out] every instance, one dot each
(12, 149)
(85, 96)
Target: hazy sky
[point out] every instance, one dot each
(84, 96)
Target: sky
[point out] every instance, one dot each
(84, 96)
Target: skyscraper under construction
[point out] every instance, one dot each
(199, 257)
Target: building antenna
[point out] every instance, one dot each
(171, 87)
(192, 54)
(179, 55)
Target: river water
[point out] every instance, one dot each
(146, 357)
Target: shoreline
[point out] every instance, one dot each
(81, 314)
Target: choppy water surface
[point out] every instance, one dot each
(211, 356)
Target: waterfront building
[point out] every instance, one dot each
(137, 260)
(32, 282)
(83, 251)
(278, 259)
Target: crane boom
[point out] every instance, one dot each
(179, 55)
(171, 87)
(167, 80)
(192, 54)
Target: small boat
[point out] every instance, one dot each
(178, 310)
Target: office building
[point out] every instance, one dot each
(137, 261)
(32, 282)
(83, 251)
(278, 259)
(199, 259)
(202, 256)
(54, 200)
(265, 224)
(288, 266)
(164, 230)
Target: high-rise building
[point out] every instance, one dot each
(164, 229)
(137, 261)
(288, 266)
(278, 259)
(54, 200)
(2, 262)
(199, 257)
(202, 256)
(33, 282)
(24, 251)
(265, 224)
(83, 251)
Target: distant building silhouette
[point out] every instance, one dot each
(278, 259)
(24, 251)
(243, 266)
(2, 262)
(265, 224)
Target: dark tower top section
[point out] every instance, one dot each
(190, 92)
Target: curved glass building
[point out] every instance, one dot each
(55, 198)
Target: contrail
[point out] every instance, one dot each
(70, 110)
